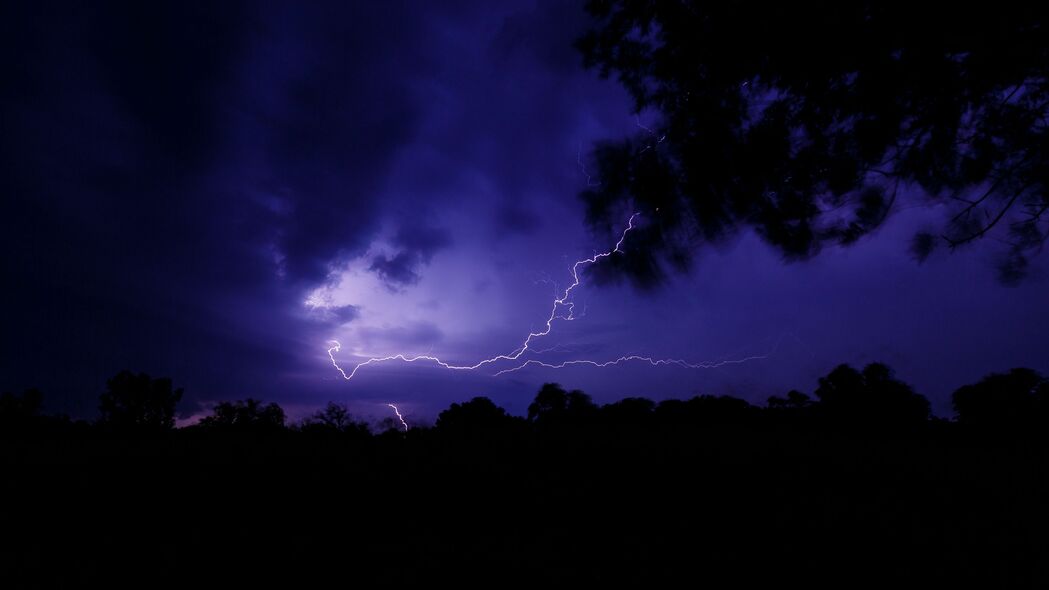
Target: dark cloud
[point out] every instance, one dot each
(194, 167)
(417, 244)
(398, 271)
(335, 315)
(177, 180)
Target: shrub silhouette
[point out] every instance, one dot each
(334, 419)
(14, 408)
(138, 402)
(20, 413)
(249, 415)
(795, 400)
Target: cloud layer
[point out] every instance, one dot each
(213, 194)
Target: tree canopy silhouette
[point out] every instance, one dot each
(867, 400)
(477, 416)
(805, 122)
(1017, 399)
(630, 411)
(873, 397)
(20, 412)
(629, 490)
(249, 415)
(335, 418)
(795, 400)
(553, 405)
(15, 407)
(139, 402)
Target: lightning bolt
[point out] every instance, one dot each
(399, 416)
(651, 132)
(590, 182)
(560, 303)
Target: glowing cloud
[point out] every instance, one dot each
(563, 308)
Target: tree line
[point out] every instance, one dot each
(855, 481)
(868, 399)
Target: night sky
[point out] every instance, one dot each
(214, 195)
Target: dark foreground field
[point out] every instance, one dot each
(645, 503)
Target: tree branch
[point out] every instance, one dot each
(989, 226)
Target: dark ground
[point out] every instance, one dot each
(653, 504)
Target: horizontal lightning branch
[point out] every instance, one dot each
(623, 359)
(559, 303)
(557, 311)
(646, 359)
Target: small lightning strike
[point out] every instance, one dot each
(399, 416)
(637, 121)
(590, 182)
(546, 280)
(650, 132)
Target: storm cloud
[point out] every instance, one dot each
(215, 192)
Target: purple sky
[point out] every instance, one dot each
(183, 188)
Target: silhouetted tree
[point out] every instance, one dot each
(630, 411)
(246, 415)
(719, 409)
(20, 412)
(335, 418)
(792, 410)
(705, 410)
(15, 407)
(873, 397)
(553, 405)
(1017, 399)
(671, 412)
(795, 400)
(139, 402)
(390, 425)
(805, 121)
(477, 416)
